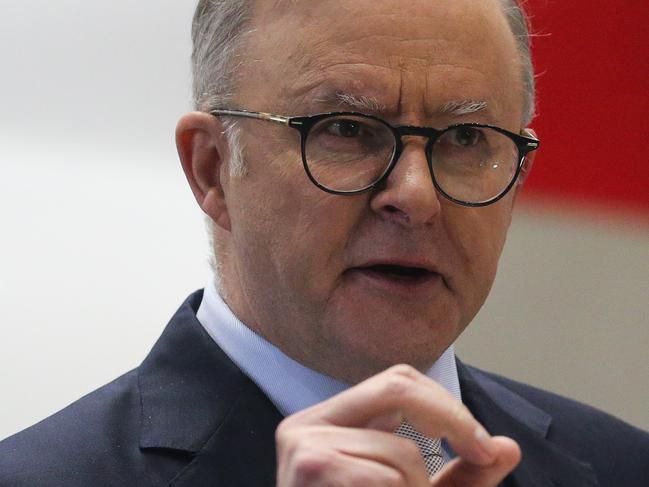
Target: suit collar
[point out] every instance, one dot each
(188, 386)
(195, 400)
(506, 413)
(241, 452)
(519, 408)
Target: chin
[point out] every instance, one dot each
(365, 340)
(362, 358)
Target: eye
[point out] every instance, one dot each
(466, 136)
(344, 128)
(354, 133)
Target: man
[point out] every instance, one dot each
(358, 162)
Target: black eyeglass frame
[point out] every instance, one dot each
(303, 124)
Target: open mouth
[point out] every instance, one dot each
(398, 273)
(397, 279)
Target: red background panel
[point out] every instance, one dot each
(592, 61)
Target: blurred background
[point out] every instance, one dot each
(101, 238)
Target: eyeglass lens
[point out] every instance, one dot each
(351, 153)
(474, 164)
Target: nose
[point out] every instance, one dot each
(408, 196)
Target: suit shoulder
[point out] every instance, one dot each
(566, 410)
(585, 431)
(556, 403)
(80, 445)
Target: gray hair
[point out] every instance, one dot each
(219, 30)
(519, 23)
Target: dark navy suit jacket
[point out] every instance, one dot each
(189, 417)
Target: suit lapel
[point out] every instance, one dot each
(241, 453)
(196, 402)
(505, 413)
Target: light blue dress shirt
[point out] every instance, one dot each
(290, 386)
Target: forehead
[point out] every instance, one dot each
(405, 56)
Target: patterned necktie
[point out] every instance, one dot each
(430, 448)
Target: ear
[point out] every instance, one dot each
(529, 159)
(201, 145)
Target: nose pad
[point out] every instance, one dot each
(408, 195)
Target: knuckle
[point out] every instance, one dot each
(311, 466)
(396, 386)
(393, 478)
(399, 380)
(283, 431)
(289, 437)
(405, 370)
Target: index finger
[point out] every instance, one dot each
(405, 393)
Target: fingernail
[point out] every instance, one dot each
(486, 443)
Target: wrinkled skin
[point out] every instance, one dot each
(291, 252)
(289, 246)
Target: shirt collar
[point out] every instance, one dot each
(290, 385)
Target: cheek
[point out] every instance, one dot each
(321, 228)
(296, 232)
(488, 242)
(478, 236)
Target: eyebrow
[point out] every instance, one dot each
(463, 107)
(455, 108)
(354, 102)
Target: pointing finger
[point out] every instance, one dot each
(405, 392)
(462, 473)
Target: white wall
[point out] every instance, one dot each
(101, 239)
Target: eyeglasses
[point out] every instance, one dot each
(349, 153)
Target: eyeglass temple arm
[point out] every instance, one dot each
(248, 114)
(532, 141)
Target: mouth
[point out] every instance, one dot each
(398, 272)
(397, 278)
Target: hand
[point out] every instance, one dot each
(349, 440)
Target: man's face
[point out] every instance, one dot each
(301, 267)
